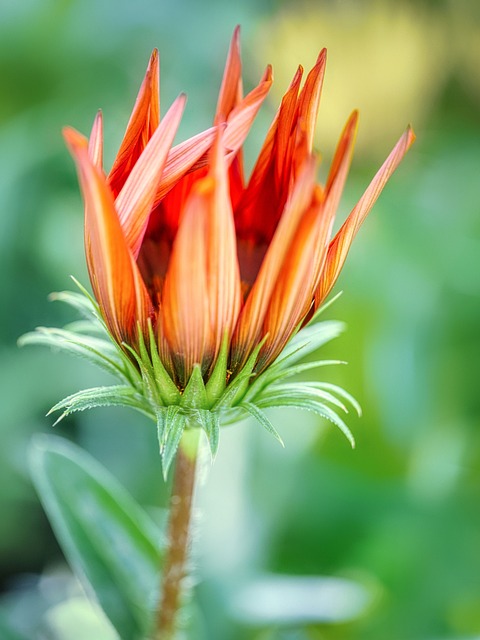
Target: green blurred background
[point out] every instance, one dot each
(397, 521)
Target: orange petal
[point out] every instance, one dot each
(336, 180)
(339, 246)
(192, 154)
(95, 142)
(223, 277)
(231, 89)
(135, 200)
(115, 279)
(270, 179)
(183, 158)
(309, 99)
(286, 117)
(143, 122)
(185, 305)
(238, 125)
(293, 293)
(249, 327)
(240, 118)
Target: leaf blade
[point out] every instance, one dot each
(118, 558)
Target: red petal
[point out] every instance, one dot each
(339, 246)
(115, 279)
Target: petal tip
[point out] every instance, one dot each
(410, 136)
(74, 139)
(322, 57)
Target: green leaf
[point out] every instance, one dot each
(110, 542)
(116, 395)
(7, 632)
(262, 419)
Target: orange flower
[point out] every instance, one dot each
(219, 266)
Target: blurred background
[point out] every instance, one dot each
(315, 541)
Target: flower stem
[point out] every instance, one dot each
(181, 500)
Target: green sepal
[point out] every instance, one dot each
(237, 388)
(195, 396)
(308, 404)
(147, 377)
(273, 377)
(167, 388)
(340, 391)
(260, 417)
(232, 392)
(324, 307)
(303, 389)
(116, 395)
(82, 302)
(217, 381)
(87, 294)
(86, 347)
(171, 423)
(309, 339)
(210, 423)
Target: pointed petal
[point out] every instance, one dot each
(135, 200)
(143, 122)
(223, 276)
(231, 89)
(95, 142)
(185, 158)
(115, 279)
(249, 328)
(192, 154)
(270, 179)
(338, 249)
(242, 116)
(309, 100)
(342, 159)
(336, 181)
(286, 117)
(293, 292)
(185, 308)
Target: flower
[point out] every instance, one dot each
(201, 276)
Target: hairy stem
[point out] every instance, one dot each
(178, 535)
